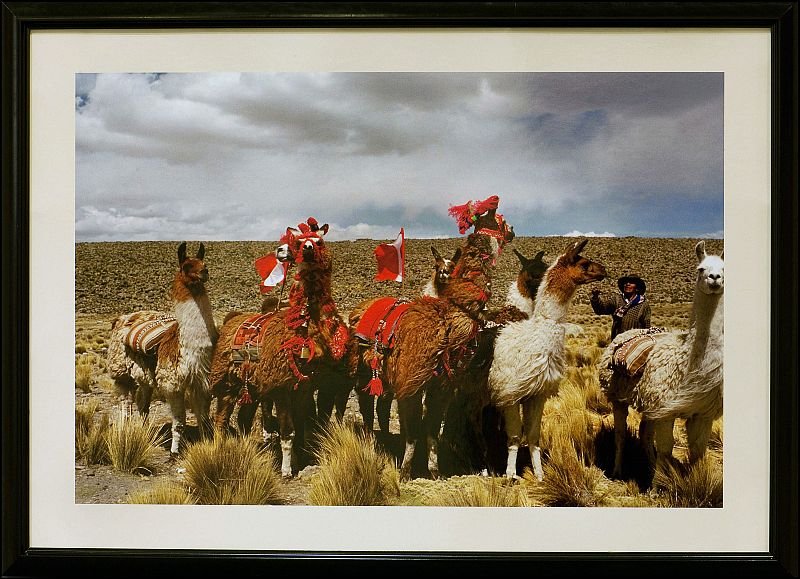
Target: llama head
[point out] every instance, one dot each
(710, 270)
(483, 216)
(443, 267)
(306, 245)
(193, 271)
(577, 268)
(531, 274)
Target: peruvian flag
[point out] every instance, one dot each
(391, 259)
(271, 270)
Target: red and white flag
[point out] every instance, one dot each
(271, 270)
(391, 259)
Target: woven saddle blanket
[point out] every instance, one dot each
(145, 336)
(247, 339)
(380, 321)
(630, 356)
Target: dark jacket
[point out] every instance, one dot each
(637, 316)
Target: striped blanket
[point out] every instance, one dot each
(631, 355)
(145, 336)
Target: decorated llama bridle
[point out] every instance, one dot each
(468, 214)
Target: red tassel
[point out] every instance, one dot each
(375, 386)
(245, 398)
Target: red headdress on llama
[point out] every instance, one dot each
(469, 215)
(306, 236)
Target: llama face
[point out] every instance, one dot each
(444, 267)
(582, 270)
(710, 271)
(193, 269)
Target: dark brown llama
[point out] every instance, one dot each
(292, 343)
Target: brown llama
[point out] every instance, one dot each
(434, 336)
(529, 355)
(171, 353)
(291, 344)
(367, 401)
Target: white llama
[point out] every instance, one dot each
(179, 363)
(529, 355)
(682, 377)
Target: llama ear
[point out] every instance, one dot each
(456, 255)
(201, 252)
(436, 255)
(522, 259)
(700, 250)
(181, 253)
(722, 255)
(576, 249)
(323, 231)
(539, 256)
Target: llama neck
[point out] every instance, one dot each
(519, 301)
(706, 334)
(554, 295)
(430, 289)
(316, 284)
(196, 326)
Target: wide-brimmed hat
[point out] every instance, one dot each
(641, 287)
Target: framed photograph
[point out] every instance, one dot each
(638, 123)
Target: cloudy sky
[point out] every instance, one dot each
(242, 156)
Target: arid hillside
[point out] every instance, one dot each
(112, 278)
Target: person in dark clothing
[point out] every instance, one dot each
(629, 309)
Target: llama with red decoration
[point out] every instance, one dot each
(291, 344)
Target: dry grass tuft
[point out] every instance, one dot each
(90, 435)
(587, 380)
(717, 436)
(132, 441)
(567, 424)
(353, 472)
(84, 371)
(568, 482)
(479, 492)
(168, 493)
(232, 471)
(696, 485)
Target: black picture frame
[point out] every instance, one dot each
(20, 18)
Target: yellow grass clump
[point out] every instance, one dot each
(169, 493)
(352, 470)
(90, 435)
(232, 471)
(479, 492)
(84, 371)
(132, 441)
(568, 482)
(696, 485)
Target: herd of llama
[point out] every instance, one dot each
(303, 358)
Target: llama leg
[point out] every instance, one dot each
(366, 406)
(303, 408)
(698, 431)
(245, 416)
(620, 433)
(665, 440)
(532, 416)
(281, 398)
(326, 399)
(435, 408)
(410, 410)
(201, 405)
(142, 396)
(514, 434)
(646, 436)
(226, 402)
(384, 410)
(269, 422)
(177, 406)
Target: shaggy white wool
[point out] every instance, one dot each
(528, 359)
(196, 336)
(429, 290)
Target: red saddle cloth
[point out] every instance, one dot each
(146, 335)
(380, 320)
(248, 336)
